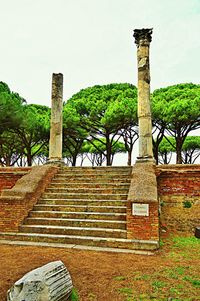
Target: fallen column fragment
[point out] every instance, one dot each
(51, 282)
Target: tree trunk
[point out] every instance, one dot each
(129, 157)
(74, 160)
(29, 158)
(155, 151)
(108, 151)
(156, 157)
(21, 161)
(165, 158)
(178, 157)
(179, 143)
(8, 161)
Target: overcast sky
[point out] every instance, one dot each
(90, 42)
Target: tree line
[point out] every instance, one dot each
(99, 122)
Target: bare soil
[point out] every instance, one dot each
(173, 273)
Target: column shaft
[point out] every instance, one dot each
(55, 143)
(143, 39)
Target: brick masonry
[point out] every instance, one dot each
(177, 185)
(143, 190)
(143, 227)
(10, 175)
(15, 203)
(178, 189)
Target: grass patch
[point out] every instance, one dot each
(74, 295)
(194, 282)
(119, 278)
(158, 284)
(177, 282)
(175, 273)
(180, 270)
(144, 277)
(180, 242)
(174, 291)
(127, 291)
(161, 243)
(184, 248)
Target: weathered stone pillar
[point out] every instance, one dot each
(142, 40)
(55, 143)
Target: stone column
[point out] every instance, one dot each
(142, 203)
(142, 40)
(55, 143)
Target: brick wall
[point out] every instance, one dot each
(9, 176)
(143, 191)
(143, 227)
(16, 203)
(178, 189)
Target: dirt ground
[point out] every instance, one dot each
(171, 274)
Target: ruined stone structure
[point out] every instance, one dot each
(61, 205)
(109, 207)
(55, 144)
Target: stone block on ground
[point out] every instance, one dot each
(51, 282)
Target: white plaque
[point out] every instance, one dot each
(140, 209)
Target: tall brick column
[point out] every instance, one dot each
(142, 40)
(55, 143)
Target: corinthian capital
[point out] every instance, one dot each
(143, 36)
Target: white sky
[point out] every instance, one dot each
(90, 42)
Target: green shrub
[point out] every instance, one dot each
(187, 204)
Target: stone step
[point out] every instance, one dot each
(78, 215)
(89, 174)
(75, 222)
(87, 190)
(83, 240)
(88, 196)
(82, 202)
(96, 170)
(91, 179)
(87, 185)
(80, 208)
(80, 231)
(101, 168)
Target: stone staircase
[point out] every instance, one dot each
(82, 206)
